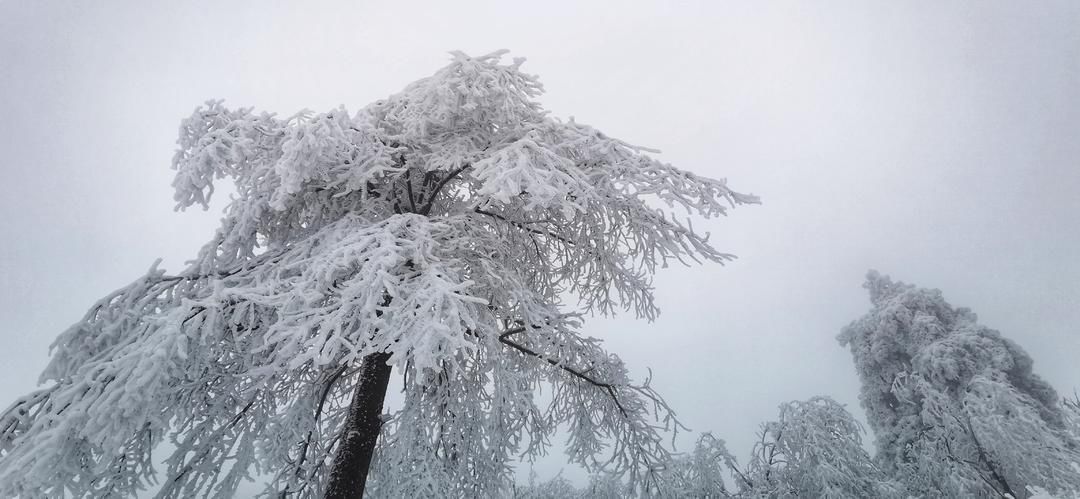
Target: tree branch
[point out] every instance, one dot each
(426, 208)
(983, 462)
(318, 413)
(504, 339)
(191, 464)
(409, 190)
(522, 226)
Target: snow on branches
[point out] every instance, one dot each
(442, 227)
(955, 406)
(814, 449)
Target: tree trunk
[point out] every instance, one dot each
(349, 473)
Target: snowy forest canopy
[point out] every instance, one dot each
(438, 233)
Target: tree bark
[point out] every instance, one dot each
(350, 470)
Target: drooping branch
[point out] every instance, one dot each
(191, 464)
(523, 226)
(742, 476)
(328, 385)
(504, 338)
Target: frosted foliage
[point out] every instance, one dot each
(443, 225)
(814, 449)
(955, 406)
(555, 488)
(700, 474)
(599, 487)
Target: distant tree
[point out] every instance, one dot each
(558, 487)
(436, 233)
(955, 406)
(814, 449)
(700, 474)
(600, 486)
(606, 486)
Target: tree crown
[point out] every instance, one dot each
(444, 226)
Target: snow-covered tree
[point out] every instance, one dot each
(955, 407)
(814, 449)
(600, 486)
(435, 233)
(700, 474)
(557, 487)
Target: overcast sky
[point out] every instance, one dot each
(934, 141)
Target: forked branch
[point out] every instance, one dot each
(426, 208)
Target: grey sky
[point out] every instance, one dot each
(936, 142)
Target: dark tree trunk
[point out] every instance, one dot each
(349, 473)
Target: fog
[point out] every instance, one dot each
(936, 142)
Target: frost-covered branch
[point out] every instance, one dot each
(504, 338)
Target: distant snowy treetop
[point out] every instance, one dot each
(956, 407)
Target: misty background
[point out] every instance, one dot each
(934, 141)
